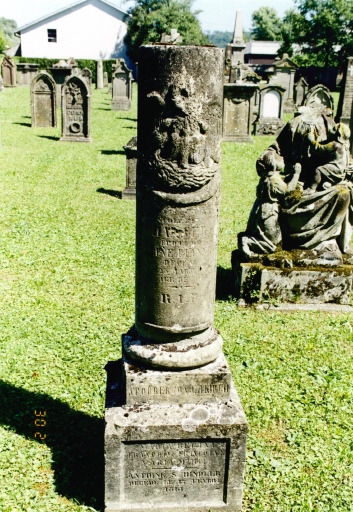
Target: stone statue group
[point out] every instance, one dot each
(304, 199)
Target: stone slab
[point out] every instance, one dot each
(170, 457)
(129, 193)
(209, 383)
(121, 105)
(256, 283)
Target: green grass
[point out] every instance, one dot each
(67, 295)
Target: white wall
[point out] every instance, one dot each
(84, 32)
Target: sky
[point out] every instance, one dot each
(216, 15)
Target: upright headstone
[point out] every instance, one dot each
(270, 119)
(319, 95)
(86, 73)
(76, 110)
(99, 75)
(8, 71)
(121, 86)
(284, 72)
(43, 101)
(131, 162)
(301, 87)
(1, 84)
(105, 79)
(175, 429)
(26, 72)
(60, 71)
(239, 111)
(345, 104)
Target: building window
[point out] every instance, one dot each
(51, 35)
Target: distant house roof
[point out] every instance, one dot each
(67, 8)
(262, 47)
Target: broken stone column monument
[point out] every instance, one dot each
(175, 429)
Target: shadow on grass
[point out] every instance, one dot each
(129, 119)
(100, 108)
(29, 125)
(50, 137)
(113, 193)
(224, 284)
(75, 438)
(112, 152)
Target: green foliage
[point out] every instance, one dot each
(151, 18)
(324, 31)
(267, 26)
(8, 28)
(3, 41)
(218, 38)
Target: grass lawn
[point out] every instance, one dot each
(67, 295)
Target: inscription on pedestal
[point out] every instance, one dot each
(176, 472)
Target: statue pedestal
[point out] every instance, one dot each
(257, 282)
(174, 441)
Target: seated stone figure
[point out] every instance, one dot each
(335, 155)
(313, 219)
(263, 232)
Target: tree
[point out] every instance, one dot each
(267, 26)
(8, 27)
(324, 31)
(218, 38)
(151, 18)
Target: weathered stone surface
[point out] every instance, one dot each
(86, 73)
(121, 86)
(8, 71)
(99, 75)
(301, 87)
(319, 94)
(178, 178)
(284, 72)
(345, 104)
(60, 71)
(270, 119)
(209, 383)
(239, 111)
(43, 101)
(257, 283)
(176, 457)
(131, 162)
(26, 72)
(76, 110)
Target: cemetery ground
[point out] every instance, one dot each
(67, 295)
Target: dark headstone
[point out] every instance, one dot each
(60, 71)
(345, 104)
(8, 71)
(131, 161)
(122, 86)
(175, 429)
(76, 110)
(43, 101)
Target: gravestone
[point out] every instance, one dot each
(8, 71)
(99, 75)
(239, 111)
(283, 75)
(345, 104)
(76, 110)
(173, 38)
(87, 75)
(60, 71)
(270, 119)
(121, 86)
(1, 84)
(175, 429)
(43, 101)
(131, 161)
(26, 72)
(301, 87)
(105, 79)
(297, 246)
(319, 95)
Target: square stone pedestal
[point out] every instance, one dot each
(174, 441)
(256, 283)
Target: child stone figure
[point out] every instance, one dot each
(336, 157)
(263, 233)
